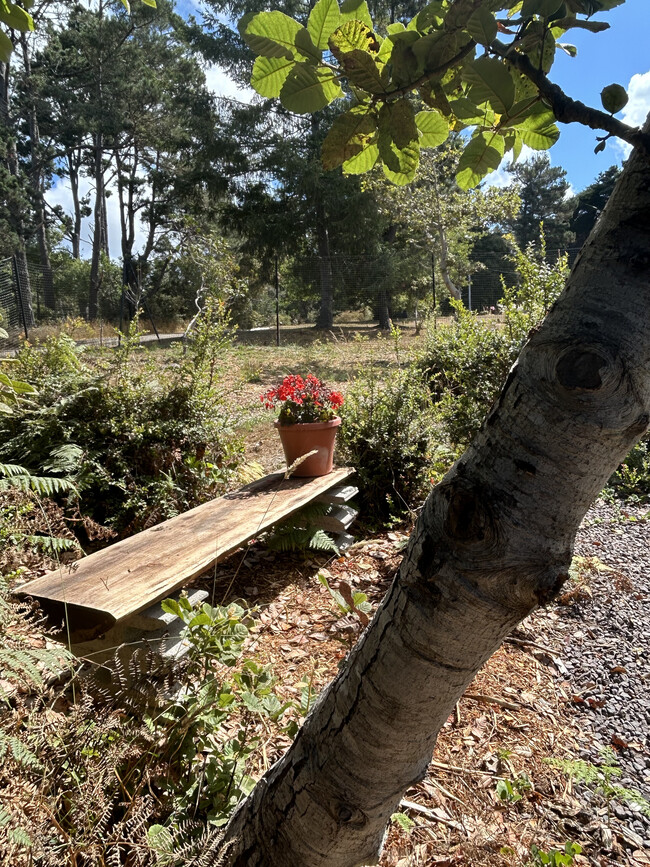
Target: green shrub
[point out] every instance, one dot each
(152, 439)
(387, 435)
(465, 365)
(467, 362)
(631, 481)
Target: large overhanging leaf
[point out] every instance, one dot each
(433, 127)
(350, 134)
(308, 89)
(15, 17)
(398, 141)
(490, 82)
(543, 8)
(482, 155)
(538, 130)
(363, 161)
(270, 73)
(482, 26)
(324, 18)
(274, 34)
(356, 10)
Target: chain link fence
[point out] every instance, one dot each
(399, 286)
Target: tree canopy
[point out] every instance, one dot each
(479, 64)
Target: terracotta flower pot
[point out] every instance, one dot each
(299, 439)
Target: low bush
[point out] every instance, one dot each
(388, 436)
(141, 440)
(466, 363)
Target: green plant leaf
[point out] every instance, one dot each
(6, 47)
(348, 136)
(614, 98)
(270, 73)
(490, 82)
(15, 17)
(543, 8)
(324, 18)
(482, 26)
(356, 47)
(363, 161)
(308, 89)
(350, 36)
(481, 156)
(398, 141)
(434, 128)
(274, 34)
(356, 9)
(538, 130)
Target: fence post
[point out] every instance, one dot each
(21, 302)
(433, 288)
(277, 304)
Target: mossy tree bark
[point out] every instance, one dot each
(493, 542)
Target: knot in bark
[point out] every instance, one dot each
(580, 368)
(346, 814)
(469, 519)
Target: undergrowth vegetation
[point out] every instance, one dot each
(140, 441)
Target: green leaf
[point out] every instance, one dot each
(543, 8)
(355, 46)
(433, 127)
(363, 161)
(350, 36)
(274, 34)
(398, 141)
(356, 9)
(614, 98)
(538, 130)
(481, 156)
(569, 49)
(6, 47)
(151, 3)
(308, 89)
(324, 18)
(15, 17)
(348, 136)
(482, 26)
(270, 73)
(490, 82)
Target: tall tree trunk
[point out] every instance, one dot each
(326, 311)
(74, 162)
(98, 228)
(15, 210)
(493, 542)
(36, 182)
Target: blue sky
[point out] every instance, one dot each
(620, 54)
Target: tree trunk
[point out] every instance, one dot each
(17, 221)
(74, 162)
(98, 229)
(36, 182)
(326, 312)
(493, 542)
(444, 265)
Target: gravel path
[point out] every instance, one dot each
(603, 638)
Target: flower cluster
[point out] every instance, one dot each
(303, 401)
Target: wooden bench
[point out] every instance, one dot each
(111, 586)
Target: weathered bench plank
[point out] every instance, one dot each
(113, 584)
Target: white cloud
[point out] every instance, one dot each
(502, 177)
(222, 85)
(636, 110)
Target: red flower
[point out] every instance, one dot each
(303, 400)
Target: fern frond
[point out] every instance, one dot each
(51, 544)
(26, 664)
(288, 538)
(64, 459)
